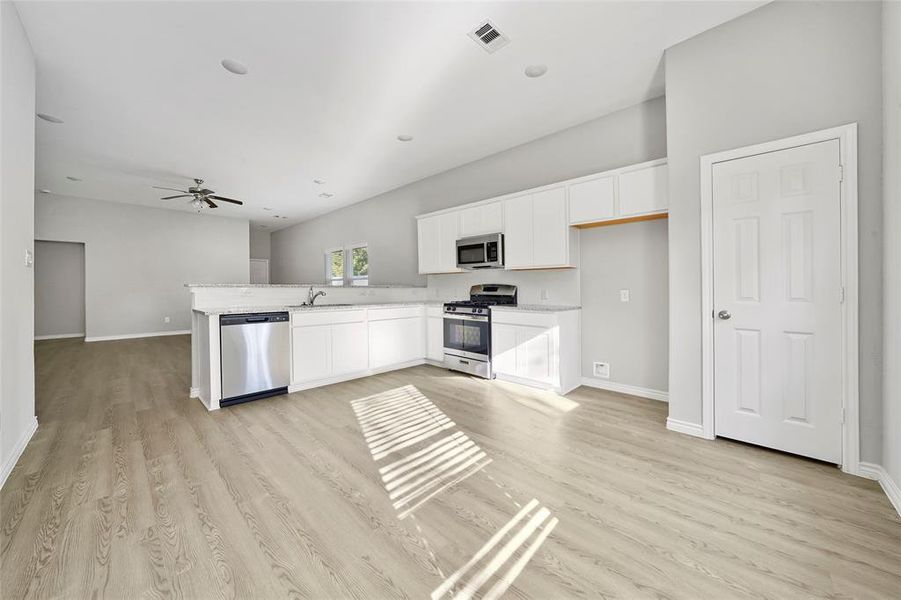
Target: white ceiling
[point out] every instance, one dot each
(146, 102)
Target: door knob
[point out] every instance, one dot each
(724, 315)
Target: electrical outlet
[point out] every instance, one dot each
(544, 294)
(624, 295)
(602, 370)
(29, 259)
(166, 319)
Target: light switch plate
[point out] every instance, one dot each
(29, 259)
(624, 295)
(544, 295)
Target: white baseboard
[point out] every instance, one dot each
(622, 388)
(58, 336)
(685, 427)
(19, 448)
(131, 336)
(889, 485)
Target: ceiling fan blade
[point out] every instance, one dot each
(211, 203)
(179, 196)
(170, 189)
(205, 191)
(238, 202)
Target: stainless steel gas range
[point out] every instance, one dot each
(467, 328)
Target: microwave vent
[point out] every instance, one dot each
(488, 37)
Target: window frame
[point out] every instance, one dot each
(348, 279)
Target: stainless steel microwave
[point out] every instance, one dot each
(481, 252)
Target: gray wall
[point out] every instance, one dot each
(891, 458)
(632, 336)
(781, 70)
(58, 289)
(260, 243)
(387, 221)
(137, 259)
(16, 234)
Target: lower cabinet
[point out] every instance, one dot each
(537, 348)
(396, 335)
(328, 344)
(434, 336)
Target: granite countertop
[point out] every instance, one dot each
(233, 310)
(302, 285)
(538, 307)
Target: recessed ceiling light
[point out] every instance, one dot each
(45, 191)
(405, 138)
(49, 118)
(535, 70)
(233, 66)
(319, 181)
(325, 195)
(70, 178)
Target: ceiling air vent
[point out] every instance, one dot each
(488, 36)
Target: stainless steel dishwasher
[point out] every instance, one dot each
(255, 356)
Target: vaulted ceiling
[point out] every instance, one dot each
(330, 85)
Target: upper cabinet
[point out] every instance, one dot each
(438, 243)
(540, 226)
(643, 191)
(631, 193)
(537, 234)
(481, 219)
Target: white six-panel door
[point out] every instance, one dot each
(777, 298)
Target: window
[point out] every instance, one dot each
(347, 266)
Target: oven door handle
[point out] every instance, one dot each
(479, 318)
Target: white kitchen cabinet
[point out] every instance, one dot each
(537, 232)
(396, 335)
(434, 334)
(437, 236)
(622, 194)
(541, 349)
(328, 343)
(481, 219)
(311, 352)
(592, 200)
(643, 191)
(350, 347)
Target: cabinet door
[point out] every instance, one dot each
(435, 339)
(429, 236)
(535, 354)
(550, 228)
(503, 348)
(518, 234)
(395, 341)
(447, 243)
(591, 201)
(350, 348)
(482, 219)
(643, 191)
(311, 348)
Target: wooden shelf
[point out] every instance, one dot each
(652, 217)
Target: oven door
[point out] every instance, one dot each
(467, 336)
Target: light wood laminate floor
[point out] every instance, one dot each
(129, 489)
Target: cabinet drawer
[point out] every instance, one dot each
(327, 317)
(530, 319)
(401, 312)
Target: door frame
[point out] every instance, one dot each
(847, 138)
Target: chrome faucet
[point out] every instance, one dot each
(311, 297)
